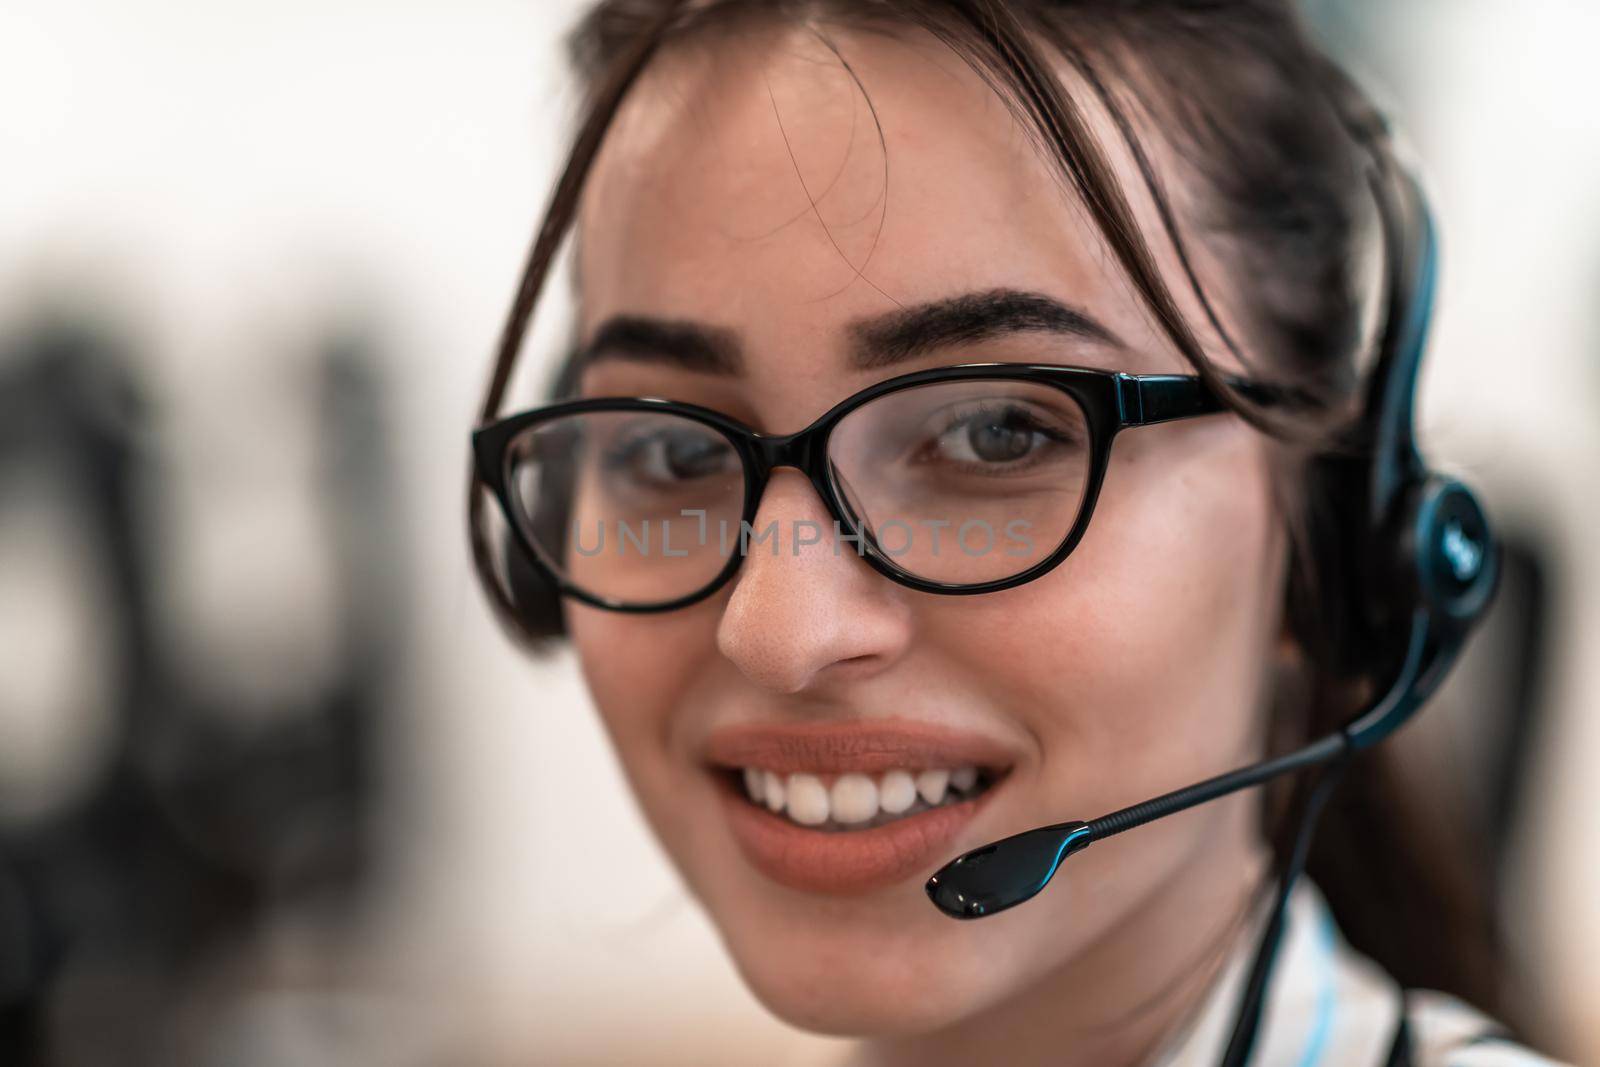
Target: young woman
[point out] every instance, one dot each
(830, 664)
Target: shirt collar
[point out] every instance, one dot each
(1325, 1003)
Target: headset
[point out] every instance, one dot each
(1424, 565)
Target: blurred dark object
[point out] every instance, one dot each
(197, 826)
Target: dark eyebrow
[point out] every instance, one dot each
(913, 331)
(679, 342)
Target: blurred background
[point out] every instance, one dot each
(274, 790)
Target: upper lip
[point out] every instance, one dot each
(865, 746)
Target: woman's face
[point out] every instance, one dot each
(743, 191)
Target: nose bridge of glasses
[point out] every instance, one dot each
(802, 450)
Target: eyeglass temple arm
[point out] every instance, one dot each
(1152, 398)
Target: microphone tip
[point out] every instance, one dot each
(1003, 874)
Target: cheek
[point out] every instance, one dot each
(1137, 662)
(641, 671)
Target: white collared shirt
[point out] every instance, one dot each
(1330, 1006)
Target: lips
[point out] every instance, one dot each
(853, 861)
(865, 747)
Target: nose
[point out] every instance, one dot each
(806, 611)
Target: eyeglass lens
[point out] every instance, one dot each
(959, 482)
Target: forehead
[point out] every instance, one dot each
(782, 186)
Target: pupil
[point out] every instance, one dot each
(999, 440)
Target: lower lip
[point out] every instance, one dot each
(846, 862)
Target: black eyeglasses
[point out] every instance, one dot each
(964, 479)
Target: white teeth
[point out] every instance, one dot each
(853, 798)
(808, 800)
(859, 801)
(896, 792)
(931, 784)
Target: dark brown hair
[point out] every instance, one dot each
(1276, 143)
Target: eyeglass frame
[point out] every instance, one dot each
(1111, 401)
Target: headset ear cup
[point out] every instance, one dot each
(1449, 556)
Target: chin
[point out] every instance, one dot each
(863, 978)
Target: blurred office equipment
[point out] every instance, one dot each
(185, 825)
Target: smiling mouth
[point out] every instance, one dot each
(852, 802)
(844, 807)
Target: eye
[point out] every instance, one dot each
(996, 436)
(667, 456)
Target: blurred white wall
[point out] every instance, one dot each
(1499, 99)
(229, 176)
